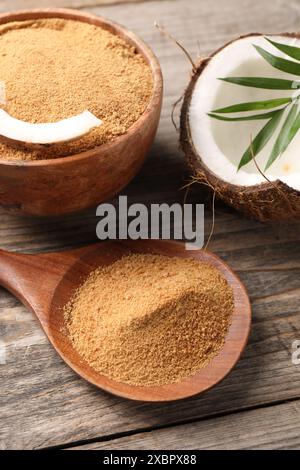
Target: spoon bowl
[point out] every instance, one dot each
(60, 274)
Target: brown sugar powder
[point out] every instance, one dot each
(52, 69)
(150, 319)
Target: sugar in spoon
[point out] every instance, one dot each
(46, 282)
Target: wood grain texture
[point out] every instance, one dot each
(10, 5)
(43, 403)
(277, 427)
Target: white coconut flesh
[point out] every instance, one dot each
(47, 133)
(221, 144)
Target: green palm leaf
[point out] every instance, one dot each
(281, 64)
(291, 51)
(254, 117)
(261, 139)
(253, 106)
(287, 133)
(263, 83)
(277, 106)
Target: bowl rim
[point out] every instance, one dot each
(119, 30)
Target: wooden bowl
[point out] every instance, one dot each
(73, 183)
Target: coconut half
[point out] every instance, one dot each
(65, 130)
(214, 148)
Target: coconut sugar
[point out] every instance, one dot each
(52, 69)
(150, 319)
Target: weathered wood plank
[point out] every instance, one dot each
(42, 402)
(21, 4)
(271, 428)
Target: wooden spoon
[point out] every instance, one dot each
(45, 283)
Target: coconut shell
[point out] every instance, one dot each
(267, 202)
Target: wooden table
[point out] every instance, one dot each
(43, 403)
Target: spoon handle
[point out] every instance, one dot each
(13, 272)
(34, 278)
